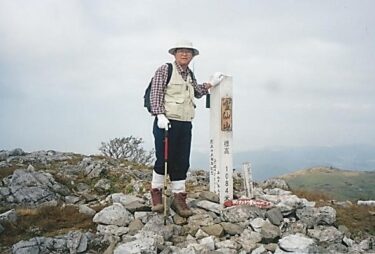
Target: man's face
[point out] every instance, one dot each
(183, 56)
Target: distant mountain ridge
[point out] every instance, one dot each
(335, 183)
(267, 163)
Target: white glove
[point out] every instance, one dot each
(216, 78)
(163, 122)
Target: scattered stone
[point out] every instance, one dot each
(71, 199)
(210, 196)
(270, 233)
(125, 223)
(84, 209)
(311, 216)
(9, 216)
(275, 183)
(103, 185)
(232, 228)
(297, 243)
(275, 216)
(135, 226)
(215, 230)
(115, 214)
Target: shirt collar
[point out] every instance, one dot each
(181, 71)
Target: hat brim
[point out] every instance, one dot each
(172, 51)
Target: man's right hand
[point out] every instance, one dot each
(216, 78)
(163, 122)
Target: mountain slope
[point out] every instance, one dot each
(337, 184)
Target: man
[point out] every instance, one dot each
(174, 108)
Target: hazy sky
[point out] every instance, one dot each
(73, 73)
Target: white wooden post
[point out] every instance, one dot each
(221, 140)
(248, 179)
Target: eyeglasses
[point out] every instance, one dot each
(184, 51)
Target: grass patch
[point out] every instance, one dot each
(45, 221)
(317, 196)
(358, 219)
(7, 171)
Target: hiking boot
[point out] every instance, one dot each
(157, 201)
(179, 205)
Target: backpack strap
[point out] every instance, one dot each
(170, 69)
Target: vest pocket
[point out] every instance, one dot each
(174, 108)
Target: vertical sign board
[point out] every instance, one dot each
(248, 179)
(221, 140)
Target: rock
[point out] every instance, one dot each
(137, 206)
(275, 183)
(232, 228)
(208, 242)
(76, 242)
(201, 234)
(84, 209)
(71, 199)
(178, 220)
(115, 214)
(29, 187)
(210, 196)
(257, 224)
(144, 243)
(4, 155)
(103, 185)
(203, 219)
(125, 199)
(9, 216)
(16, 152)
(73, 242)
(227, 244)
(270, 233)
(215, 230)
(248, 240)
(91, 168)
(143, 216)
(275, 216)
(241, 213)
(111, 230)
(259, 250)
(156, 225)
(326, 235)
(295, 227)
(127, 225)
(135, 226)
(297, 243)
(311, 216)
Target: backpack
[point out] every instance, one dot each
(146, 97)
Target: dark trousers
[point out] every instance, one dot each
(179, 143)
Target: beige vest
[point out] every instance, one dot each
(179, 98)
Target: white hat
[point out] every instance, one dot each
(185, 45)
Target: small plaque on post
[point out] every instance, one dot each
(226, 114)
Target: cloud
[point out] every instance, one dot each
(73, 73)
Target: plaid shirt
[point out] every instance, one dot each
(159, 85)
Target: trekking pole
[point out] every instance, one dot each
(165, 173)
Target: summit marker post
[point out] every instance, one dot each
(221, 140)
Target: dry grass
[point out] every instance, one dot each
(358, 219)
(7, 171)
(45, 221)
(318, 197)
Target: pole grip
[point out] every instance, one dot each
(166, 145)
(208, 101)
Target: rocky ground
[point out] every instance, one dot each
(109, 208)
